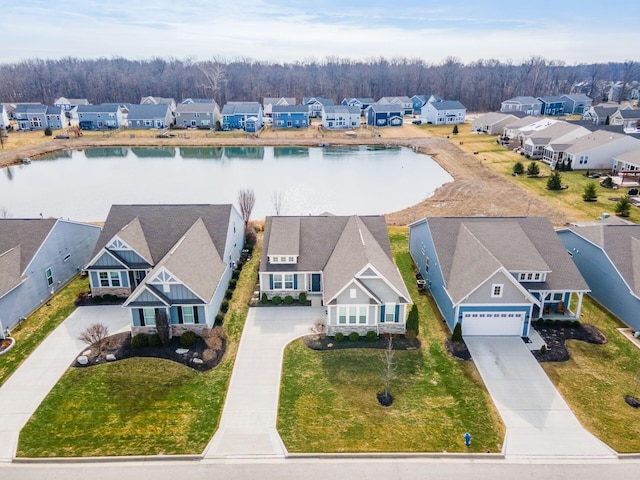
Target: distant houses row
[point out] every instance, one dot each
(283, 113)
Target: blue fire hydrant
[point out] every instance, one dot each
(467, 439)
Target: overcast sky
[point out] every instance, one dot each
(296, 30)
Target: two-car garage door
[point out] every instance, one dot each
(491, 323)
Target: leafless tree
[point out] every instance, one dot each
(95, 334)
(163, 327)
(630, 71)
(277, 199)
(246, 202)
(319, 328)
(389, 371)
(4, 212)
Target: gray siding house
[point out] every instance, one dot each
(529, 105)
(31, 116)
(343, 263)
(37, 258)
(150, 116)
(176, 259)
(57, 118)
(608, 256)
(96, 117)
(203, 115)
(494, 275)
(341, 117)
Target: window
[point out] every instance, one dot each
(148, 317)
(291, 260)
(342, 315)
(523, 276)
(557, 297)
(66, 257)
(390, 313)
(496, 290)
(187, 315)
(277, 282)
(536, 277)
(109, 279)
(49, 274)
(362, 315)
(352, 314)
(115, 279)
(288, 281)
(529, 276)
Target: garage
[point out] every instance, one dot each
(492, 324)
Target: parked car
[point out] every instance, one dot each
(417, 122)
(632, 192)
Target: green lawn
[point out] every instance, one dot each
(328, 399)
(596, 378)
(139, 406)
(30, 333)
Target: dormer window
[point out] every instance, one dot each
(531, 276)
(282, 259)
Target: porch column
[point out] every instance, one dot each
(579, 307)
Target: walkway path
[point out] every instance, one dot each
(248, 424)
(539, 422)
(23, 392)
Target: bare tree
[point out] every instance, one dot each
(246, 201)
(630, 70)
(389, 371)
(319, 328)
(95, 335)
(277, 199)
(163, 327)
(4, 212)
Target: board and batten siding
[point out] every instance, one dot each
(510, 292)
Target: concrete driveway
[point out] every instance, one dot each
(248, 424)
(23, 392)
(539, 422)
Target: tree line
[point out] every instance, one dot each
(480, 85)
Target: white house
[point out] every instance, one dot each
(597, 150)
(444, 112)
(340, 117)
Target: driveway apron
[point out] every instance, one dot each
(538, 420)
(23, 392)
(248, 424)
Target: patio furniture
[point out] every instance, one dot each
(560, 307)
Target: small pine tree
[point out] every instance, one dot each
(555, 181)
(518, 168)
(457, 333)
(533, 170)
(590, 194)
(623, 207)
(607, 121)
(455, 130)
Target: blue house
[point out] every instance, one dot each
(56, 118)
(31, 116)
(236, 115)
(608, 256)
(361, 102)
(37, 258)
(576, 103)
(494, 275)
(385, 115)
(290, 116)
(420, 101)
(551, 105)
(175, 259)
(97, 117)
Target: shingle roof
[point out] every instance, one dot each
(594, 139)
(196, 107)
(30, 108)
(389, 108)
(578, 97)
(471, 248)
(145, 112)
(494, 117)
(629, 113)
(551, 99)
(241, 108)
(448, 105)
(151, 100)
(345, 109)
(322, 100)
(279, 101)
(102, 108)
(522, 100)
(54, 110)
(284, 238)
(188, 101)
(290, 109)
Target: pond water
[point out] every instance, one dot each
(83, 184)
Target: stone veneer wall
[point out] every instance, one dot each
(118, 292)
(362, 330)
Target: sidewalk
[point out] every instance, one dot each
(23, 392)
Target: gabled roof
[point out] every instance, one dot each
(630, 158)
(322, 100)
(102, 108)
(523, 122)
(196, 107)
(492, 118)
(390, 100)
(558, 130)
(551, 99)
(629, 114)
(241, 108)
(621, 243)
(448, 105)
(593, 140)
(523, 100)
(20, 240)
(389, 108)
(284, 237)
(577, 97)
(52, 110)
(344, 109)
(163, 225)
(30, 108)
(303, 109)
(133, 235)
(604, 112)
(190, 101)
(279, 101)
(469, 249)
(363, 100)
(150, 100)
(148, 111)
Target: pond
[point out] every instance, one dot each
(83, 184)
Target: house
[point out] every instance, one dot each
(492, 123)
(269, 102)
(189, 101)
(384, 115)
(445, 112)
(540, 124)
(37, 258)
(341, 262)
(551, 105)
(69, 103)
(628, 118)
(419, 101)
(597, 150)
(512, 129)
(96, 117)
(494, 275)
(57, 118)
(150, 115)
(608, 257)
(361, 102)
(236, 114)
(150, 100)
(601, 114)
(576, 103)
(627, 165)
(529, 105)
(316, 104)
(403, 101)
(290, 116)
(341, 117)
(4, 116)
(557, 133)
(31, 116)
(176, 259)
(199, 115)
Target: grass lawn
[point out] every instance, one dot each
(328, 399)
(502, 161)
(596, 378)
(39, 324)
(139, 406)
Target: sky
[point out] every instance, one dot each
(288, 31)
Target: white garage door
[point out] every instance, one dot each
(490, 323)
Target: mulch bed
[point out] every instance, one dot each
(555, 338)
(120, 346)
(457, 350)
(322, 342)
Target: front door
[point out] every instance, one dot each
(315, 282)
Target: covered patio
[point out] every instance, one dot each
(556, 305)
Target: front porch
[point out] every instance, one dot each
(558, 305)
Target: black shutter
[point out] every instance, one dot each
(180, 315)
(141, 315)
(195, 314)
